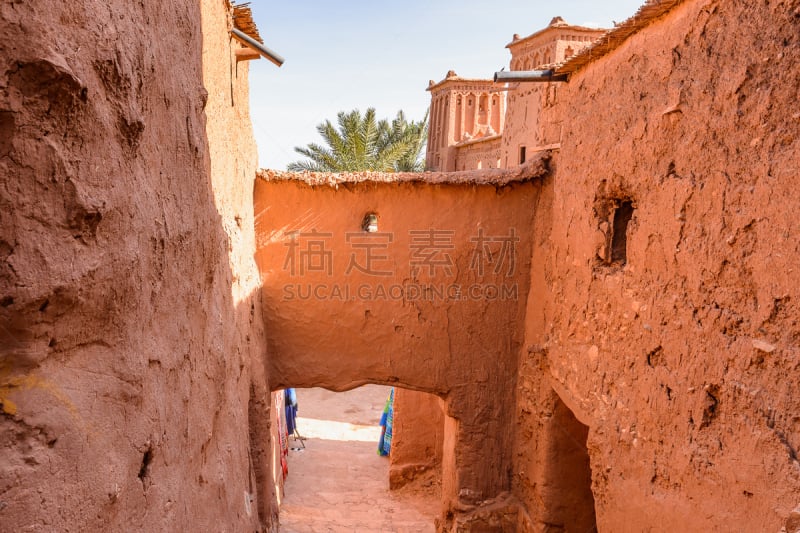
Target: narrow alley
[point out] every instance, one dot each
(338, 482)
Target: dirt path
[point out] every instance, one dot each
(339, 483)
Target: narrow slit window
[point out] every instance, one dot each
(619, 235)
(521, 154)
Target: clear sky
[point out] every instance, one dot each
(342, 55)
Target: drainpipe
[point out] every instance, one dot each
(529, 75)
(245, 39)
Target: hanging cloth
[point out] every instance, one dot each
(385, 444)
(290, 399)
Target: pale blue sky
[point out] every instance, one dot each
(359, 54)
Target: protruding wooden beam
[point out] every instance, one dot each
(256, 46)
(246, 54)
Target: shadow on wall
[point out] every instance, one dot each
(126, 358)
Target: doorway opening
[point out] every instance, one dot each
(568, 495)
(336, 470)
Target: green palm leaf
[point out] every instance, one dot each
(363, 143)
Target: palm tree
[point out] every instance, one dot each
(415, 136)
(362, 143)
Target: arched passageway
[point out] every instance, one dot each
(417, 281)
(336, 478)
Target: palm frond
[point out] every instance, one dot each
(362, 143)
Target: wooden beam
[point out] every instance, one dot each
(246, 54)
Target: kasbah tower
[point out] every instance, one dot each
(479, 123)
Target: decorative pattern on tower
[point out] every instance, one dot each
(470, 118)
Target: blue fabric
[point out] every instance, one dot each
(385, 444)
(290, 398)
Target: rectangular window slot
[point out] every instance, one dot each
(619, 232)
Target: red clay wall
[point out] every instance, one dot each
(479, 155)
(125, 343)
(232, 165)
(417, 435)
(530, 121)
(682, 361)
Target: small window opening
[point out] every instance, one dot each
(147, 458)
(619, 232)
(521, 154)
(370, 223)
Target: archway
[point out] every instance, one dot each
(335, 475)
(433, 299)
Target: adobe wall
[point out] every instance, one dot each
(233, 163)
(334, 321)
(680, 362)
(530, 121)
(126, 321)
(417, 436)
(479, 154)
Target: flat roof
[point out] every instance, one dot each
(557, 24)
(243, 21)
(453, 77)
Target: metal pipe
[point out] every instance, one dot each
(529, 75)
(243, 38)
